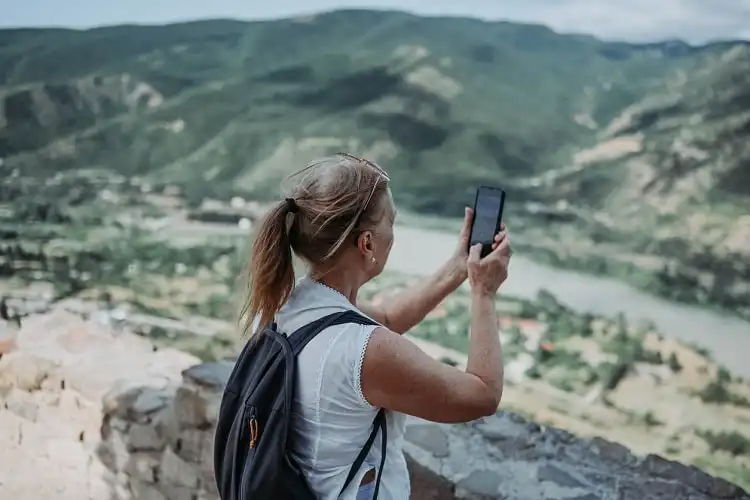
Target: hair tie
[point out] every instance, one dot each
(291, 205)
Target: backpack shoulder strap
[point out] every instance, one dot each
(302, 336)
(378, 425)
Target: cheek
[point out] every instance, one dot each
(388, 244)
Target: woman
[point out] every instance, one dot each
(339, 219)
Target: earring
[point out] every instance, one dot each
(373, 260)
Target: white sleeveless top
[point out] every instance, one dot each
(331, 420)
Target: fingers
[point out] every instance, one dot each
(499, 237)
(474, 254)
(502, 248)
(468, 214)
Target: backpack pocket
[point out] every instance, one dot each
(250, 438)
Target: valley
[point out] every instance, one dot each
(135, 161)
(147, 262)
(621, 160)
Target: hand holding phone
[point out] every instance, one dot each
(488, 273)
(487, 219)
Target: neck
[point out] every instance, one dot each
(345, 285)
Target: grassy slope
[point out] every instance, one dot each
(233, 105)
(241, 88)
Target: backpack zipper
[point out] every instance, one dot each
(252, 424)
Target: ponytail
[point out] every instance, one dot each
(332, 197)
(271, 269)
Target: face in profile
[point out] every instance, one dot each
(382, 234)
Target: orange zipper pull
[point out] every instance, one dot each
(253, 425)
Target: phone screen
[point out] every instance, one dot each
(487, 212)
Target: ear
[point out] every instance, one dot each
(365, 243)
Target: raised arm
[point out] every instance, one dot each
(402, 311)
(399, 376)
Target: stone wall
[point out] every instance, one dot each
(53, 378)
(158, 443)
(102, 414)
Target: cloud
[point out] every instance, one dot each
(641, 20)
(695, 21)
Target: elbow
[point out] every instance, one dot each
(480, 406)
(481, 401)
(484, 405)
(490, 404)
(491, 395)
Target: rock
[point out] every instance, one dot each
(119, 400)
(173, 492)
(113, 450)
(505, 426)
(503, 456)
(135, 403)
(612, 452)
(24, 371)
(211, 375)
(144, 467)
(142, 437)
(144, 491)
(191, 408)
(555, 474)
(691, 476)
(53, 388)
(176, 472)
(7, 338)
(194, 445)
(483, 482)
(22, 404)
(157, 416)
(430, 437)
(640, 488)
(426, 485)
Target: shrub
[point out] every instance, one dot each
(650, 420)
(717, 392)
(674, 363)
(611, 374)
(731, 442)
(534, 373)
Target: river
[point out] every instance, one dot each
(421, 251)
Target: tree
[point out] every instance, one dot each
(674, 363)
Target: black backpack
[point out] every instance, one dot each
(251, 447)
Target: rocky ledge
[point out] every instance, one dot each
(107, 416)
(159, 441)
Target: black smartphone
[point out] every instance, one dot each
(488, 217)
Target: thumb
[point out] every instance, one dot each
(474, 254)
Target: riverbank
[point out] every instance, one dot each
(197, 253)
(601, 263)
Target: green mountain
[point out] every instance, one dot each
(633, 156)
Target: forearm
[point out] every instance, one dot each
(485, 359)
(404, 310)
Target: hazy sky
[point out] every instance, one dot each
(635, 20)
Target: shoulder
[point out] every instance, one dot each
(311, 301)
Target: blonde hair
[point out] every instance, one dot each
(331, 202)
